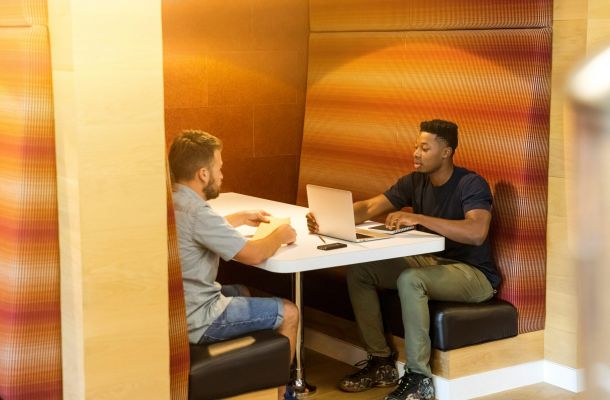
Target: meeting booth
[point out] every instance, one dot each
(323, 92)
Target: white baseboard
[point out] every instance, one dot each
(333, 347)
(467, 387)
(490, 382)
(564, 377)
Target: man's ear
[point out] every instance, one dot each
(203, 174)
(447, 152)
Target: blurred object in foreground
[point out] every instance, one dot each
(589, 100)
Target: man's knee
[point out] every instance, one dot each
(410, 279)
(357, 274)
(291, 313)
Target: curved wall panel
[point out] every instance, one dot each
(368, 91)
(30, 319)
(178, 333)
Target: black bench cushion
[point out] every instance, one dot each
(259, 360)
(455, 325)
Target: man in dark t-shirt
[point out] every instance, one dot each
(445, 199)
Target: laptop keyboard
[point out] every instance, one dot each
(361, 236)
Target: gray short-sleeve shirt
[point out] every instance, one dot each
(203, 237)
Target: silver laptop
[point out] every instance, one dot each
(334, 213)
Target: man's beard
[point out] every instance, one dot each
(211, 191)
(428, 168)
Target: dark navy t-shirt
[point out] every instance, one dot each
(464, 191)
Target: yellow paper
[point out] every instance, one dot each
(265, 228)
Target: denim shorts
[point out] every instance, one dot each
(244, 315)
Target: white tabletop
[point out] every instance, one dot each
(303, 254)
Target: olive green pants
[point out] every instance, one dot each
(418, 279)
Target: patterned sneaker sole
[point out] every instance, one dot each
(355, 389)
(386, 383)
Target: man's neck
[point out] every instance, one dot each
(195, 187)
(442, 175)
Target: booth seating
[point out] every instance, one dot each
(454, 325)
(374, 73)
(256, 361)
(372, 79)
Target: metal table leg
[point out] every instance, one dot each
(302, 389)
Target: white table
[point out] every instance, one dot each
(304, 256)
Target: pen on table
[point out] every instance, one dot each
(322, 239)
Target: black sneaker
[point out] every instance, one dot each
(375, 372)
(413, 386)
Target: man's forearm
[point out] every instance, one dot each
(464, 231)
(371, 208)
(258, 251)
(360, 212)
(268, 246)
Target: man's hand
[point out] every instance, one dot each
(286, 234)
(254, 217)
(400, 218)
(312, 225)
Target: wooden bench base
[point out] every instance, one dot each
(446, 364)
(484, 357)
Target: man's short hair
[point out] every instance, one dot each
(192, 150)
(445, 130)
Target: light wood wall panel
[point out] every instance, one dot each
(561, 332)
(579, 29)
(108, 91)
(598, 27)
(238, 70)
(398, 15)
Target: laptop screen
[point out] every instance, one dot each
(333, 210)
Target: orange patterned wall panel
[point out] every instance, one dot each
(30, 326)
(178, 333)
(396, 15)
(367, 93)
(23, 12)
